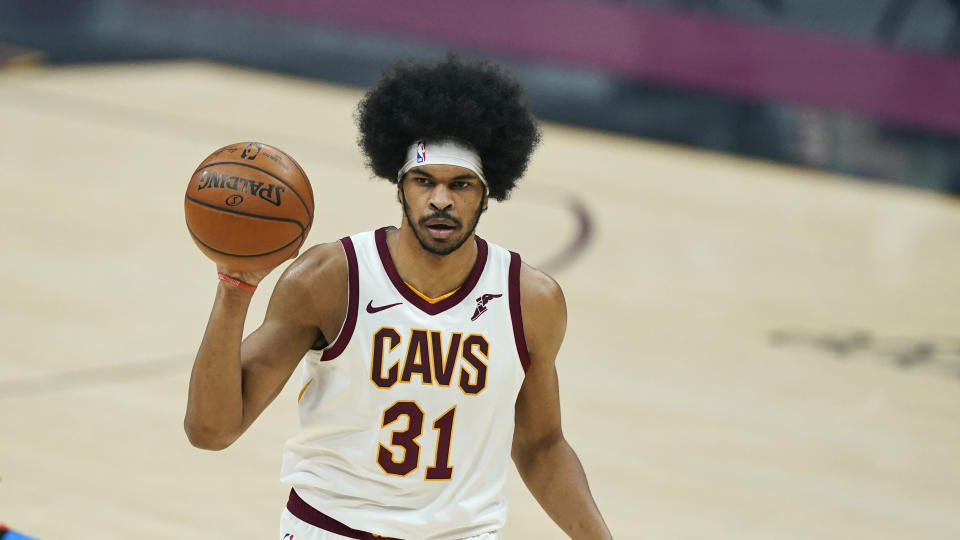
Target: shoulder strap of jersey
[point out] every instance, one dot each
(513, 286)
(353, 294)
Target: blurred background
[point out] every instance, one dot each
(750, 204)
(863, 87)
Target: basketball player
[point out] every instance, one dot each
(428, 353)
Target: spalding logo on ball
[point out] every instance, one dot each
(249, 206)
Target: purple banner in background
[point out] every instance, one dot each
(672, 47)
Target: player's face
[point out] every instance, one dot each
(442, 204)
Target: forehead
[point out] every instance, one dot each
(443, 172)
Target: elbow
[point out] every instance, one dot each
(517, 453)
(207, 437)
(528, 451)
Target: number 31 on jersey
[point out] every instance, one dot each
(408, 450)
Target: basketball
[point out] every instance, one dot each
(249, 206)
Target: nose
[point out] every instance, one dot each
(440, 197)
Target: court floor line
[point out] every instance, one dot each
(581, 240)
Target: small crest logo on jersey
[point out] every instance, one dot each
(288, 536)
(482, 305)
(421, 152)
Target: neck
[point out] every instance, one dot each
(431, 274)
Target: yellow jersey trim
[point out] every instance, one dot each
(427, 298)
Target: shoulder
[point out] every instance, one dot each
(544, 311)
(539, 290)
(317, 265)
(323, 264)
(314, 287)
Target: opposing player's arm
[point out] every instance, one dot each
(546, 463)
(233, 381)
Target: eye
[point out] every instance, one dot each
(461, 185)
(421, 180)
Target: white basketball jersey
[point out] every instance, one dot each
(407, 417)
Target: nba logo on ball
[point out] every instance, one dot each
(251, 151)
(421, 152)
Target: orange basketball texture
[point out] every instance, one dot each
(249, 206)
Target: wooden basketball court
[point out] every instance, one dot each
(754, 351)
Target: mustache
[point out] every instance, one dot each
(439, 215)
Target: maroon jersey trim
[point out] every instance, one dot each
(513, 285)
(353, 282)
(410, 296)
(298, 507)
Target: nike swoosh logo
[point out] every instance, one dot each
(372, 309)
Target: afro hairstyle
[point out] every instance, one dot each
(475, 102)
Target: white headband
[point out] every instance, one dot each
(443, 153)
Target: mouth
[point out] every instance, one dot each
(440, 229)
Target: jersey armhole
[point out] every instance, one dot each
(513, 286)
(353, 295)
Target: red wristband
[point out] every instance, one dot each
(236, 282)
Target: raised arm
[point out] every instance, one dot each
(232, 381)
(546, 463)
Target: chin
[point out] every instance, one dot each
(440, 247)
